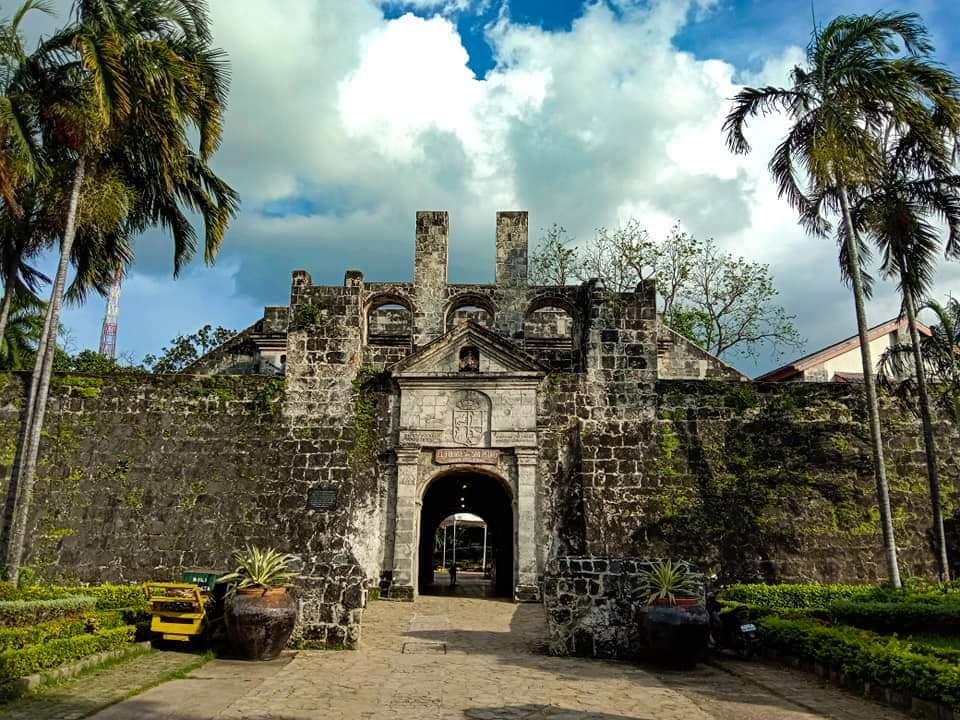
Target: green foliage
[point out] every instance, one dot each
(802, 595)
(258, 568)
(668, 580)
(91, 362)
(112, 597)
(555, 260)
(88, 387)
(268, 397)
(867, 657)
(33, 658)
(911, 616)
(722, 302)
(16, 613)
(22, 332)
(184, 350)
(306, 316)
(742, 397)
(12, 638)
(365, 413)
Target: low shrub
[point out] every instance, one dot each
(17, 613)
(908, 617)
(32, 658)
(12, 638)
(803, 595)
(32, 592)
(866, 657)
(759, 611)
(112, 597)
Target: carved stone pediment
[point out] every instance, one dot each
(468, 389)
(469, 348)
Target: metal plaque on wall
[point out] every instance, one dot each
(322, 498)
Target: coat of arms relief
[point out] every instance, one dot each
(471, 418)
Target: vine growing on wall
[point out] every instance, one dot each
(365, 386)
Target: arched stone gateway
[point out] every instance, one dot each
(474, 427)
(476, 492)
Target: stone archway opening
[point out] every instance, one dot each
(467, 494)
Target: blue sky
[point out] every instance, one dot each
(347, 117)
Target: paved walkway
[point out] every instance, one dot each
(448, 657)
(78, 697)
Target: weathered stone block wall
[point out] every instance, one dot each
(593, 606)
(680, 359)
(753, 482)
(775, 481)
(142, 477)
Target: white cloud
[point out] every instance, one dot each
(359, 121)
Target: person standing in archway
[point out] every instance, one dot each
(453, 574)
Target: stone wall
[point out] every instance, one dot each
(680, 359)
(142, 477)
(592, 606)
(749, 481)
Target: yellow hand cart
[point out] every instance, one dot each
(178, 610)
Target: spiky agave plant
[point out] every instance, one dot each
(668, 580)
(260, 568)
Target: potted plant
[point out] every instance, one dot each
(670, 583)
(259, 613)
(676, 626)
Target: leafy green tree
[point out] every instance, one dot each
(727, 304)
(184, 350)
(555, 260)
(862, 73)
(722, 302)
(122, 88)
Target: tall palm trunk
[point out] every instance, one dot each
(40, 388)
(929, 443)
(8, 291)
(873, 409)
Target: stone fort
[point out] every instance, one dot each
(346, 426)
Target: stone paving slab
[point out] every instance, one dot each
(494, 668)
(96, 688)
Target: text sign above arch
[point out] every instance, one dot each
(479, 456)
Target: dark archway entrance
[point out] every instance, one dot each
(481, 495)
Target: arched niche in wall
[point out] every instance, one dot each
(551, 322)
(389, 321)
(470, 306)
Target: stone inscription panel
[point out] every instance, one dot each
(479, 456)
(421, 437)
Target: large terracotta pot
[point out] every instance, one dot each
(675, 636)
(259, 622)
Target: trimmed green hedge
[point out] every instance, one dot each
(33, 658)
(33, 592)
(13, 638)
(907, 617)
(803, 595)
(866, 657)
(111, 597)
(18, 613)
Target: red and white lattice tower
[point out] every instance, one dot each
(108, 335)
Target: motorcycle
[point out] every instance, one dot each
(732, 630)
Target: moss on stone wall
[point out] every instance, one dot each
(775, 481)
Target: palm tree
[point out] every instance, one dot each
(916, 187)
(19, 341)
(125, 83)
(19, 155)
(856, 80)
(940, 351)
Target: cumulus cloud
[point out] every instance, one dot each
(343, 122)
